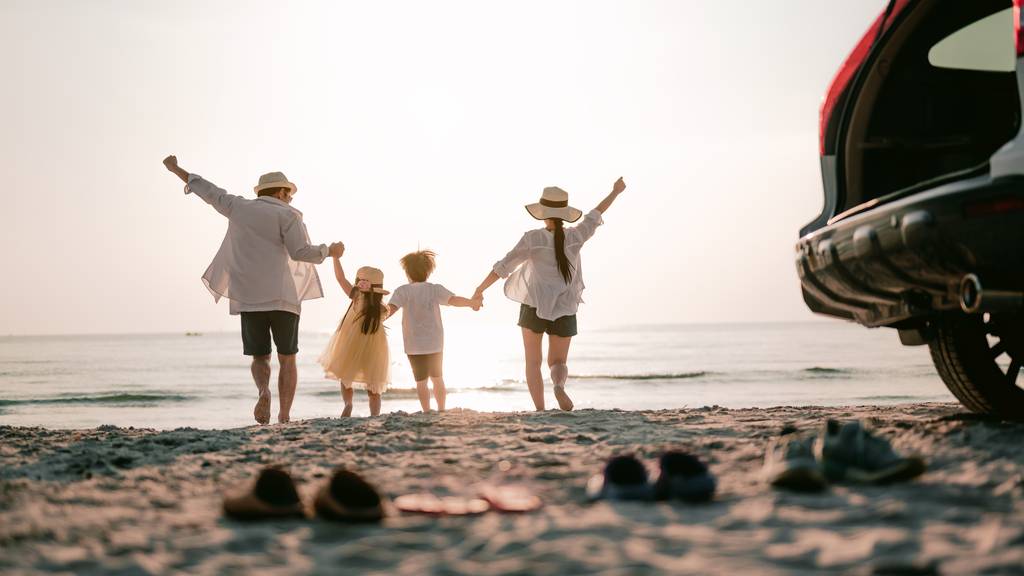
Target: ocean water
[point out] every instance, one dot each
(173, 380)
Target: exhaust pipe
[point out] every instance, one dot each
(974, 298)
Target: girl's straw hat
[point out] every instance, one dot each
(554, 203)
(274, 180)
(374, 276)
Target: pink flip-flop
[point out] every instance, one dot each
(511, 498)
(426, 503)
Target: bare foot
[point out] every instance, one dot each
(262, 410)
(347, 411)
(563, 399)
(283, 419)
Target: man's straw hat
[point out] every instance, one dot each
(554, 203)
(274, 180)
(374, 276)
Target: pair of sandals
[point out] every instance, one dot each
(681, 476)
(347, 497)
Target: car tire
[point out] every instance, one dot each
(967, 362)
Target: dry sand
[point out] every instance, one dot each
(115, 501)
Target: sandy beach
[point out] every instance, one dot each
(132, 501)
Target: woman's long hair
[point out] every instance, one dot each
(372, 306)
(564, 267)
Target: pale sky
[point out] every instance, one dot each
(410, 124)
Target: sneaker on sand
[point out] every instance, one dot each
(851, 453)
(790, 463)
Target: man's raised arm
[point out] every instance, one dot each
(171, 163)
(211, 194)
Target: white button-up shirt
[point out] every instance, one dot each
(266, 260)
(532, 271)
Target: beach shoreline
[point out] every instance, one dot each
(123, 500)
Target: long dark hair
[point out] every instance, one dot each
(564, 267)
(372, 306)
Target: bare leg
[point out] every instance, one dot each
(374, 403)
(261, 376)
(558, 356)
(534, 355)
(424, 394)
(440, 393)
(287, 379)
(346, 397)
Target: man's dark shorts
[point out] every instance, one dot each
(564, 326)
(257, 328)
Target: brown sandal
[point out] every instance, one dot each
(347, 497)
(273, 495)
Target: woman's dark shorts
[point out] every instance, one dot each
(564, 326)
(257, 328)
(424, 365)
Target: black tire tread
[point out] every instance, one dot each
(961, 356)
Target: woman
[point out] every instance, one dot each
(544, 275)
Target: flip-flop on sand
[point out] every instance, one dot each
(510, 498)
(347, 497)
(624, 478)
(426, 503)
(683, 477)
(272, 495)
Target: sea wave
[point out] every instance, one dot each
(819, 372)
(654, 376)
(390, 393)
(101, 399)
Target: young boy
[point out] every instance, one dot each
(421, 323)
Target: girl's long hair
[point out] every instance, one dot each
(372, 306)
(564, 267)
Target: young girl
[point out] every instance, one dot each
(357, 353)
(545, 276)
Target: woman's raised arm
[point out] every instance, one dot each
(617, 189)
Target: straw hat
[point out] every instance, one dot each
(554, 203)
(375, 277)
(274, 180)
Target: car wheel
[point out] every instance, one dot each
(979, 357)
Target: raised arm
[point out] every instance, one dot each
(217, 197)
(171, 163)
(346, 286)
(617, 189)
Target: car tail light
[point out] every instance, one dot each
(1018, 33)
(993, 206)
(852, 64)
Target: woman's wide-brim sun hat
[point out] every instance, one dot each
(554, 203)
(274, 180)
(374, 276)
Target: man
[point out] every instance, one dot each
(265, 268)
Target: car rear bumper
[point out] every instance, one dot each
(905, 259)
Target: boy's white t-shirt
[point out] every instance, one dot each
(421, 316)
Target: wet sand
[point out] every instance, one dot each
(131, 501)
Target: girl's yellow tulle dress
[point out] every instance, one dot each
(358, 360)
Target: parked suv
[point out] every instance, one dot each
(922, 159)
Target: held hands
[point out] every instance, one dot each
(337, 249)
(476, 303)
(619, 186)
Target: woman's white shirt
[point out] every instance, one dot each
(532, 271)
